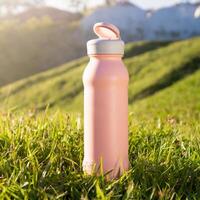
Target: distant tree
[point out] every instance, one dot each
(108, 2)
(113, 2)
(83, 3)
(78, 4)
(11, 5)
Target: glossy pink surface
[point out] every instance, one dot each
(105, 115)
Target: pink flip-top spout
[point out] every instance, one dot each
(106, 31)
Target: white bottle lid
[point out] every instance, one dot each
(109, 41)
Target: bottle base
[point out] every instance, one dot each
(111, 171)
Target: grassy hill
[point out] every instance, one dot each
(37, 40)
(41, 151)
(162, 75)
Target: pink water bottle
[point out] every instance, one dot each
(105, 82)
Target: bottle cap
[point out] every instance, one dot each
(106, 31)
(109, 41)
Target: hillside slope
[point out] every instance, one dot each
(36, 41)
(164, 78)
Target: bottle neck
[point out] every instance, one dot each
(106, 57)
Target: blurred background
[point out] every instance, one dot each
(43, 52)
(36, 35)
(42, 59)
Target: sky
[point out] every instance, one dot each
(145, 4)
(155, 4)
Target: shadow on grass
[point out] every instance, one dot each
(145, 47)
(169, 79)
(43, 77)
(159, 180)
(162, 164)
(151, 176)
(67, 96)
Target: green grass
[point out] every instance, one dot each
(153, 68)
(41, 158)
(41, 146)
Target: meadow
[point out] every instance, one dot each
(41, 129)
